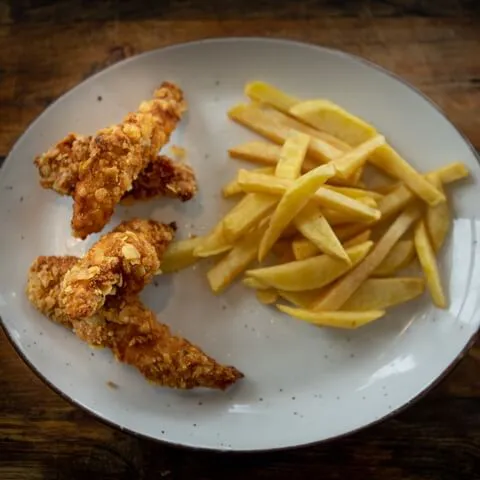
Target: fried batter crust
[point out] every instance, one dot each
(131, 331)
(121, 263)
(115, 158)
(59, 171)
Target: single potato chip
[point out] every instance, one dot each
(342, 319)
(293, 200)
(382, 293)
(309, 274)
(428, 262)
(351, 282)
(399, 257)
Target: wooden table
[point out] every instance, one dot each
(48, 47)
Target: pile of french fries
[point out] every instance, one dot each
(307, 234)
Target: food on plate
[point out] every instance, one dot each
(426, 256)
(180, 255)
(59, 171)
(399, 257)
(121, 263)
(130, 330)
(438, 218)
(117, 155)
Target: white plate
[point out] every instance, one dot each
(303, 384)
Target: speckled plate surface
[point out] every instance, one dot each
(303, 384)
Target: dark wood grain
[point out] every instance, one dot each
(48, 47)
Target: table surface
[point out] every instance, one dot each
(47, 47)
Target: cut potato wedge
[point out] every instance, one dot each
(358, 239)
(333, 119)
(234, 263)
(179, 255)
(399, 257)
(351, 282)
(428, 262)
(438, 219)
(299, 299)
(267, 297)
(264, 153)
(303, 248)
(294, 199)
(388, 160)
(309, 274)
(255, 207)
(213, 244)
(292, 156)
(256, 182)
(352, 161)
(259, 120)
(312, 225)
(265, 93)
(251, 282)
(341, 319)
(382, 293)
(232, 188)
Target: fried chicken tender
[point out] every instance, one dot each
(131, 331)
(115, 157)
(59, 171)
(121, 263)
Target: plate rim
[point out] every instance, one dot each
(244, 39)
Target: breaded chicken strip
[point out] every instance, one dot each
(59, 171)
(117, 155)
(131, 331)
(121, 263)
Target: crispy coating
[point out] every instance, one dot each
(121, 263)
(163, 178)
(118, 154)
(131, 331)
(59, 171)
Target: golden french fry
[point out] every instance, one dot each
(264, 93)
(234, 262)
(356, 193)
(232, 188)
(264, 153)
(179, 255)
(212, 244)
(313, 226)
(303, 248)
(358, 239)
(259, 120)
(388, 160)
(429, 265)
(267, 297)
(450, 173)
(309, 274)
(382, 293)
(349, 284)
(335, 319)
(256, 182)
(251, 282)
(351, 161)
(292, 156)
(399, 257)
(254, 208)
(438, 218)
(299, 299)
(293, 200)
(333, 119)
(283, 251)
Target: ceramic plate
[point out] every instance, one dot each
(303, 384)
